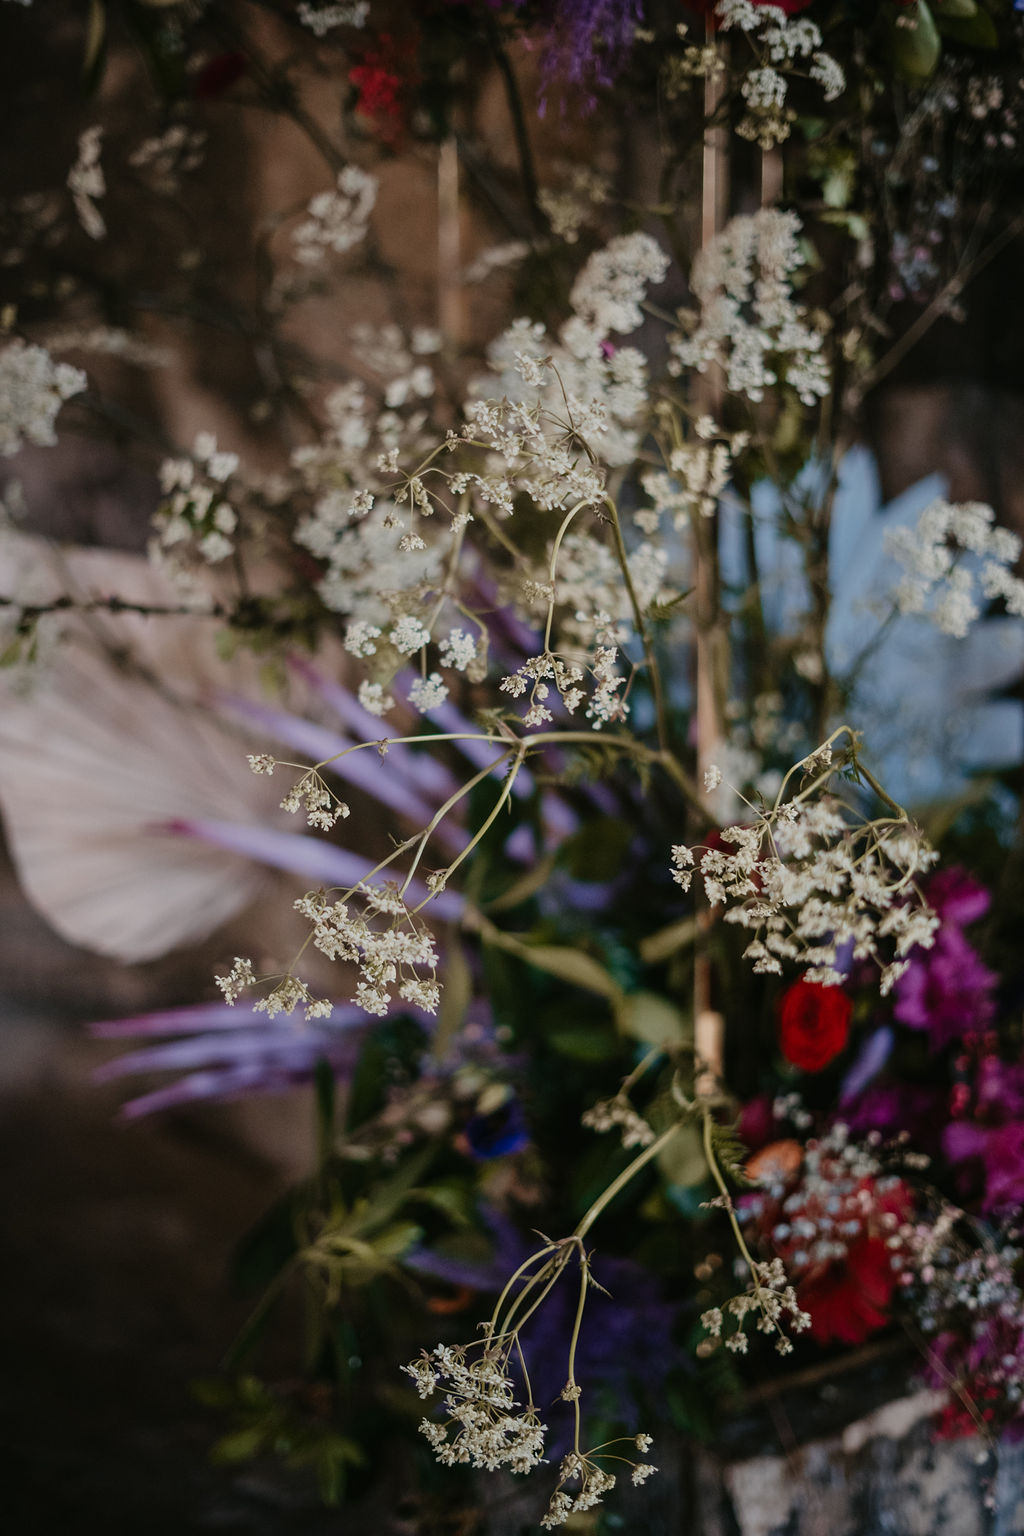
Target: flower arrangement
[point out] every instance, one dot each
(617, 912)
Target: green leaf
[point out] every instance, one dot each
(957, 9)
(239, 1445)
(977, 31)
(597, 851)
(584, 1042)
(914, 43)
(526, 886)
(665, 942)
(572, 965)
(453, 1197)
(396, 1240)
(730, 1152)
(94, 55)
(652, 1019)
(855, 224)
(682, 1160)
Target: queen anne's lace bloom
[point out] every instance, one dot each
(337, 220)
(748, 321)
(486, 1426)
(32, 390)
(809, 877)
(954, 559)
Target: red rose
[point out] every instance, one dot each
(814, 1024)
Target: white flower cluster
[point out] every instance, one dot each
(594, 1481)
(748, 321)
(808, 879)
(606, 704)
(781, 42)
(697, 474)
(337, 220)
(569, 207)
(398, 359)
(196, 520)
(321, 19)
(165, 157)
(772, 1298)
(385, 941)
(609, 291)
(289, 993)
(86, 182)
(486, 1426)
(953, 558)
(32, 390)
(109, 341)
(609, 1113)
(310, 794)
(379, 566)
(496, 258)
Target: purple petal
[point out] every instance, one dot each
(174, 1021)
(290, 1047)
(361, 769)
(321, 863)
(412, 763)
(872, 1057)
(230, 1083)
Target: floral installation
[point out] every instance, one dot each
(650, 1013)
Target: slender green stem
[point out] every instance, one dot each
(441, 813)
(716, 1174)
(495, 812)
(653, 669)
(640, 1161)
(573, 1342)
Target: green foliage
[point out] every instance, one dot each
(913, 42)
(294, 1426)
(729, 1152)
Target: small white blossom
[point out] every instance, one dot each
(238, 978)
(360, 638)
(748, 321)
(86, 182)
(337, 220)
(321, 19)
(428, 693)
(374, 699)
(409, 634)
(32, 390)
(458, 650)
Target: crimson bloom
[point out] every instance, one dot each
(814, 1024)
(835, 1218)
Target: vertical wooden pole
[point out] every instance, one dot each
(450, 293)
(711, 658)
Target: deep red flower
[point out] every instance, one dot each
(849, 1301)
(384, 80)
(219, 75)
(814, 1024)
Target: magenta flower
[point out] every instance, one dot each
(947, 990)
(1000, 1152)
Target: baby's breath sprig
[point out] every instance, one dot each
(487, 1425)
(287, 994)
(812, 874)
(322, 806)
(770, 1294)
